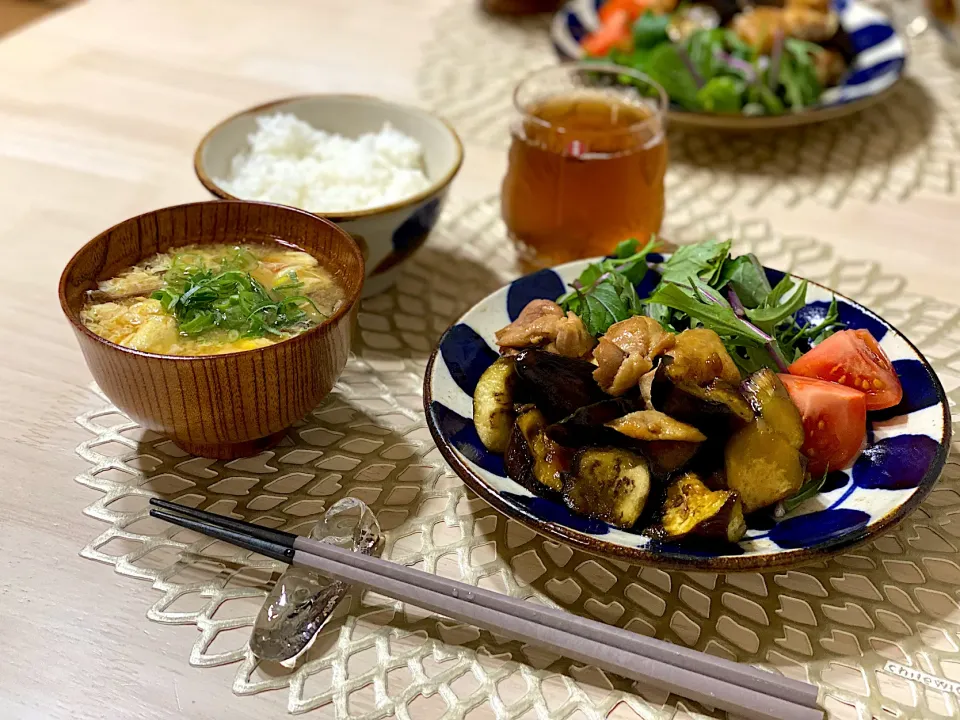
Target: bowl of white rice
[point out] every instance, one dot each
(378, 169)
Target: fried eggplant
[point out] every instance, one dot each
(558, 385)
(718, 397)
(762, 466)
(493, 413)
(548, 459)
(668, 456)
(609, 484)
(700, 357)
(587, 425)
(769, 399)
(691, 508)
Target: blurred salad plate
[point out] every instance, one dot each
(743, 65)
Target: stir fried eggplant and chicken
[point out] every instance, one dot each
(667, 426)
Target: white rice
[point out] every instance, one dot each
(293, 163)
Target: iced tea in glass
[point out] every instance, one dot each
(587, 162)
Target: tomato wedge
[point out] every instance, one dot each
(834, 421)
(853, 358)
(614, 32)
(634, 8)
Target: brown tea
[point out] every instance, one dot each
(585, 172)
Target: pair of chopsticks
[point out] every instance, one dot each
(734, 687)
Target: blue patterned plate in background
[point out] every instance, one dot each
(881, 54)
(907, 446)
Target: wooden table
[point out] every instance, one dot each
(101, 106)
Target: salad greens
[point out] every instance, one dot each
(809, 489)
(605, 292)
(230, 298)
(712, 70)
(703, 286)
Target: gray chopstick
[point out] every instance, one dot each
(650, 661)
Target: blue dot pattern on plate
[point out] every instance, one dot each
(541, 285)
(895, 463)
(554, 511)
(817, 527)
(918, 392)
(853, 317)
(879, 51)
(905, 442)
(466, 355)
(462, 434)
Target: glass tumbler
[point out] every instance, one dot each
(587, 160)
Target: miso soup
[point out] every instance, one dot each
(211, 299)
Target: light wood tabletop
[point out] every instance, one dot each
(101, 107)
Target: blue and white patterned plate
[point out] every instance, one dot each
(881, 54)
(907, 446)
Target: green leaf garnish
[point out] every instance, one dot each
(703, 260)
(746, 276)
(604, 293)
(231, 299)
(718, 317)
(650, 29)
(776, 308)
(809, 489)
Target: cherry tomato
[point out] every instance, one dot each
(634, 8)
(853, 358)
(614, 32)
(834, 421)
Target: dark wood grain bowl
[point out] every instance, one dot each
(218, 406)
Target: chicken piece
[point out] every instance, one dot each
(700, 357)
(572, 340)
(821, 6)
(805, 23)
(543, 324)
(829, 66)
(758, 26)
(662, 7)
(652, 425)
(627, 351)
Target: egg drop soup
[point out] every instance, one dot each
(212, 299)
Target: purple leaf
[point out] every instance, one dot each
(748, 70)
(776, 58)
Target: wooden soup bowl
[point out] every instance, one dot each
(217, 406)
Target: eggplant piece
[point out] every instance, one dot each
(654, 425)
(558, 385)
(654, 385)
(762, 466)
(493, 413)
(691, 508)
(716, 479)
(770, 400)
(519, 462)
(668, 456)
(700, 357)
(608, 484)
(549, 460)
(718, 397)
(841, 43)
(587, 425)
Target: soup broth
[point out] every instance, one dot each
(212, 299)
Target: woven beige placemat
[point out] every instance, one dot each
(907, 144)
(838, 623)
